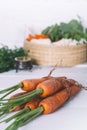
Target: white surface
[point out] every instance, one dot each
(20, 17)
(72, 116)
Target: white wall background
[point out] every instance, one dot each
(17, 17)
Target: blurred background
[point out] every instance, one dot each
(20, 17)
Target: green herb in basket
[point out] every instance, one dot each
(73, 29)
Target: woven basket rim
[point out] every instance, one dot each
(54, 45)
(46, 54)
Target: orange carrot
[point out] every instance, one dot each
(40, 36)
(49, 87)
(33, 103)
(52, 103)
(53, 85)
(36, 36)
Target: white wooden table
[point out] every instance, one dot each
(72, 116)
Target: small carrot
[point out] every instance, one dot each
(49, 87)
(40, 36)
(46, 106)
(33, 103)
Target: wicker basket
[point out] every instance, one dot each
(45, 54)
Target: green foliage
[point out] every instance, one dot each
(73, 29)
(7, 57)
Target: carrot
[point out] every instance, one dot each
(49, 87)
(36, 36)
(33, 103)
(40, 36)
(52, 103)
(26, 85)
(46, 106)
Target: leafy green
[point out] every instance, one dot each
(7, 57)
(73, 29)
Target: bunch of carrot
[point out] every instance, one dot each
(36, 36)
(42, 96)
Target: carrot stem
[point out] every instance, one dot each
(13, 126)
(1, 114)
(8, 89)
(25, 118)
(23, 99)
(33, 114)
(26, 98)
(16, 115)
(9, 93)
(28, 119)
